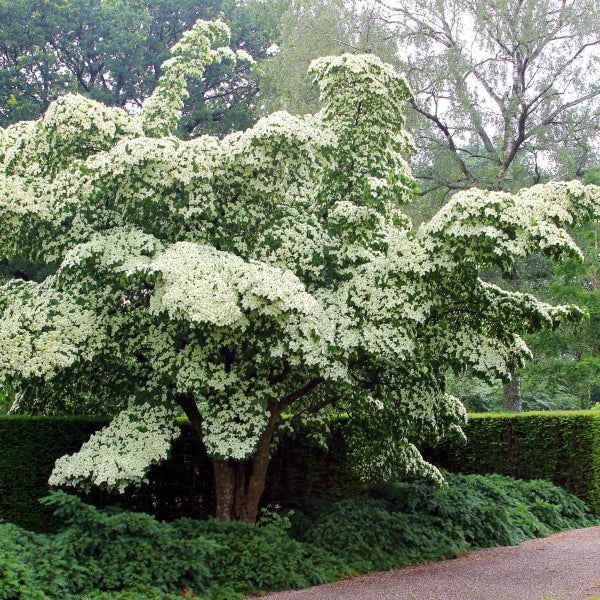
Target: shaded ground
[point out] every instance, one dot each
(560, 567)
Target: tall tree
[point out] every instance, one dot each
(272, 272)
(503, 90)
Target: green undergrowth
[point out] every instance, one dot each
(112, 554)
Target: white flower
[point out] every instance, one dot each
(121, 453)
(240, 271)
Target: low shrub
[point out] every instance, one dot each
(251, 557)
(396, 524)
(113, 554)
(18, 576)
(113, 549)
(370, 536)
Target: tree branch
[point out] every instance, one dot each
(309, 387)
(315, 408)
(190, 408)
(283, 375)
(444, 129)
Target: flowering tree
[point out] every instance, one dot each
(266, 274)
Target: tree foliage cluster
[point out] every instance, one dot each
(504, 91)
(268, 273)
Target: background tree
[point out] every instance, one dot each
(310, 29)
(505, 96)
(272, 272)
(112, 52)
(505, 92)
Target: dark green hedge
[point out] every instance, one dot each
(30, 445)
(182, 486)
(562, 447)
(28, 448)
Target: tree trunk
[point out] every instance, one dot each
(240, 484)
(512, 401)
(239, 491)
(230, 482)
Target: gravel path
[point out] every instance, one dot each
(560, 567)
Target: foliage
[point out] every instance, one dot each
(131, 437)
(112, 52)
(18, 577)
(113, 553)
(561, 447)
(568, 360)
(250, 558)
(269, 272)
(370, 535)
(136, 593)
(7, 399)
(538, 393)
(114, 550)
(393, 525)
(122, 555)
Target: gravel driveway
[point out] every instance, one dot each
(559, 567)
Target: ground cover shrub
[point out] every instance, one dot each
(18, 576)
(369, 536)
(114, 554)
(263, 557)
(137, 593)
(113, 549)
(126, 554)
(395, 524)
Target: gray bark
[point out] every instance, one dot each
(512, 401)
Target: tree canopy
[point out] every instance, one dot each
(269, 274)
(112, 52)
(505, 92)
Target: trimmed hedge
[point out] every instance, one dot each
(181, 486)
(562, 447)
(29, 447)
